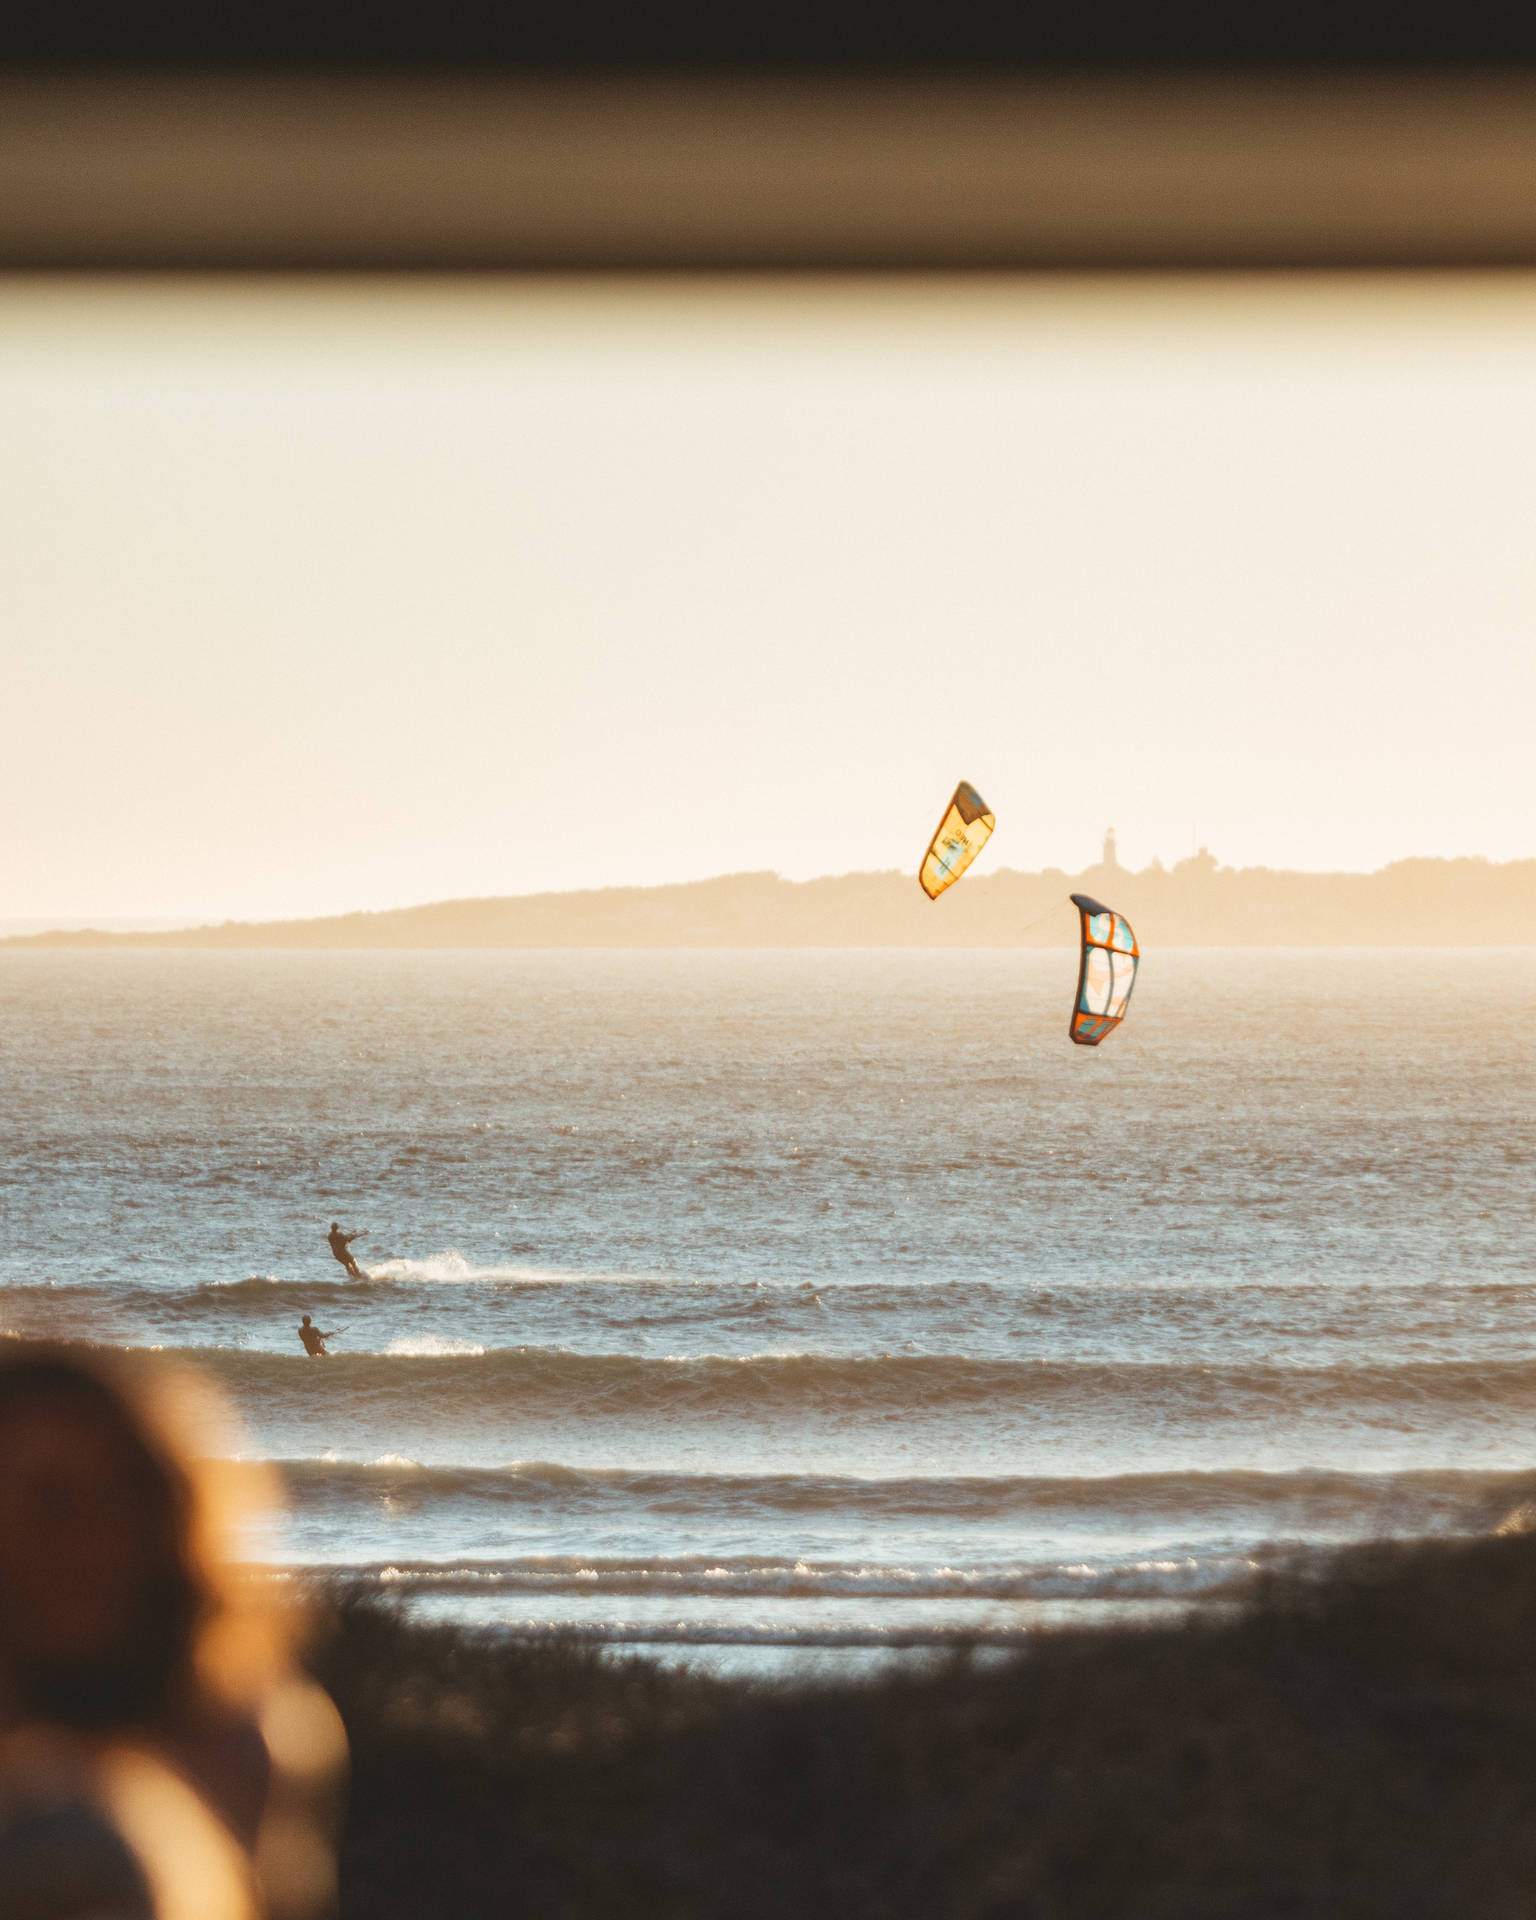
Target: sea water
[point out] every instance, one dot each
(802, 1298)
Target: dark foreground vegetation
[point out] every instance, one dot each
(1360, 1745)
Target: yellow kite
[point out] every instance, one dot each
(963, 832)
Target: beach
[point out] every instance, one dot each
(740, 1306)
(1338, 1748)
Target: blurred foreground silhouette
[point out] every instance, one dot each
(1359, 1740)
(1360, 1743)
(159, 1754)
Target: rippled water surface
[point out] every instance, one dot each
(823, 1296)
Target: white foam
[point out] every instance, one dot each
(430, 1344)
(451, 1268)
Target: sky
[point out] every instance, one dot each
(318, 595)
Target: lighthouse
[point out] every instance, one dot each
(1110, 861)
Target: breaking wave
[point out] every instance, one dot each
(451, 1268)
(556, 1381)
(765, 1577)
(432, 1346)
(1310, 1502)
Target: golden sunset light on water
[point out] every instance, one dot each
(767, 964)
(321, 596)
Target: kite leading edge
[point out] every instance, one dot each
(963, 832)
(1106, 974)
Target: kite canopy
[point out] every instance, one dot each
(1106, 973)
(963, 832)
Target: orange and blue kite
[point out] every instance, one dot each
(1106, 972)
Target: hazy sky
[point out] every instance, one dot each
(317, 596)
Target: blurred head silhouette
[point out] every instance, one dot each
(125, 1624)
(115, 1595)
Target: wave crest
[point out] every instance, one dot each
(1297, 1502)
(765, 1577)
(556, 1381)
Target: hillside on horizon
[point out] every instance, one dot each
(1429, 902)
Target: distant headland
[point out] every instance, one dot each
(1198, 903)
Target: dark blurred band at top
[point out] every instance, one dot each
(694, 136)
(247, 171)
(798, 34)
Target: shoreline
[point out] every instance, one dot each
(1350, 1743)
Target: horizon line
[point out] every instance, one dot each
(29, 928)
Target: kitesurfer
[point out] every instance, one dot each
(314, 1340)
(341, 1249)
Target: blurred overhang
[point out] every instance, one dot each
(401, 171)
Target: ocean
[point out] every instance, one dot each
(810, 1299)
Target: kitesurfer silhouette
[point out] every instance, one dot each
(341, 1247)
(314, 1340)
